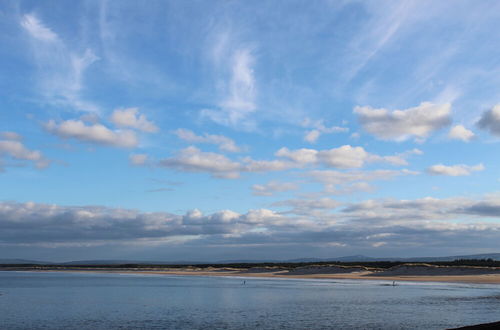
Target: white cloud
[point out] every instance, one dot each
(454, 170)
(138, 159)
(344, 157)
(251, 165)
(490, 120)
(459, 132)
(272, 187)
(319, 128)
(93, 133)
(299, 156)
(312, 136)
(349, 188)
(338, 177)
(400, 125)
(60, 70)
(224, 143)
(242, 85)
(11, 136)
(241, 92)
(132, 118)
(261, 216)
(37, 29)
(339, 183)
(18, 151)
(452, 222)
(313, 207)
(193, 159)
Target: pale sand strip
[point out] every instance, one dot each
(481, 279)
(477, 279)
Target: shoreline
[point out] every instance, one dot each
(470, 279)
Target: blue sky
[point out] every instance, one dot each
(210, 130)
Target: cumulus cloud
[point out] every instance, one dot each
(340, 183)
(299, 156)
(343, 157)
(312, 136)
(418, 211)
(459, 132)
(309, 206)
(138, 159)
(400, 125)
(252, 165)
(490, 120)
(132, 118)
(348, 188)
(93, 133)
(241, 91)
(441, 223)
(272, 187)
(318, 127)
(13, 136)
(32, 223)
(338, 177)
(18, 151)
(224, 143)
(454, 170)
(193, 159)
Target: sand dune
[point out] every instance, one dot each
(405, 272)
(432, 270)
(309, 270)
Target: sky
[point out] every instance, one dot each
(218, 130)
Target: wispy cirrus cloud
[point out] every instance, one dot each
(60, 70)
(37, 29)
(240, 90)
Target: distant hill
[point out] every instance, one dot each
(122, 262)
(23, 261)
(362, 258)
(354, 258)
(494, 256)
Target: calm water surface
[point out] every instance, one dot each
(113, 301)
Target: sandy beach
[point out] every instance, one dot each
(479, 279)
(417, 272)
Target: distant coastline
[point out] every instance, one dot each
(363, 271)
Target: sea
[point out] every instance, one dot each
(54, 300)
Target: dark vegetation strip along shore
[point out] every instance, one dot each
(372, 265)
